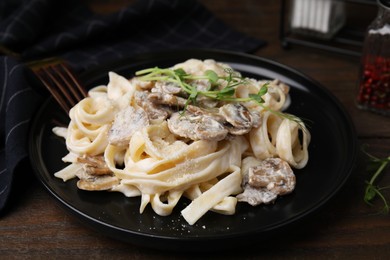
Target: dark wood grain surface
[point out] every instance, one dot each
(346, 228)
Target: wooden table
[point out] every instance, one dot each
(346, 228)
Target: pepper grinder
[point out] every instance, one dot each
(374, 78)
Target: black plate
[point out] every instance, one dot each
(332, 157)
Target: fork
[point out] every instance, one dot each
(60, 81)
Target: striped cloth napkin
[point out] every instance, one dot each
(34, 29)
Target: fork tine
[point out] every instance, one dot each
(62, 84)
(70, 80)
(46, 80)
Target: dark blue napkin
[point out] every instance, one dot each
(35, 29)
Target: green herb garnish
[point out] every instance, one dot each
(221, 88)
(372, 190)
(229, 82)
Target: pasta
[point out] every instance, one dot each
(151, 137)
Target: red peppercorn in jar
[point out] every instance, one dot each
(374, 81)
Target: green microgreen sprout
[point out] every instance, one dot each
(229, 82)
(221, 88)
(373, 190)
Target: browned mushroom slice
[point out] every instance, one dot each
(167, 99)
(201, 100)
(94, 165)
(166, 93)
(167, 87)
(211, 112)
(264, 182)
(95, 175)
(126, 123)
(256, 118)
(255, 196)
(97, 182)
(238, 116)
(207, 102)
(274, 174)
(154, 111)
(196, 127)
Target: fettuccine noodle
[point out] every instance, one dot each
(160, 166)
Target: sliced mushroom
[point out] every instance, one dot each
(167, 99)
(201, 84)
(256, 118)
(126, 123)
(264, 182)
(166, 87)
(166, 93)
(196, 127)
(94, 165)
(274, 174)
(95, 175)
(154, 111)
(214, 113)
(98, 182)
(238, 116)
(254, 196)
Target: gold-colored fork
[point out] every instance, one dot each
(60, 81)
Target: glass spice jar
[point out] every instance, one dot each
(374, 81)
